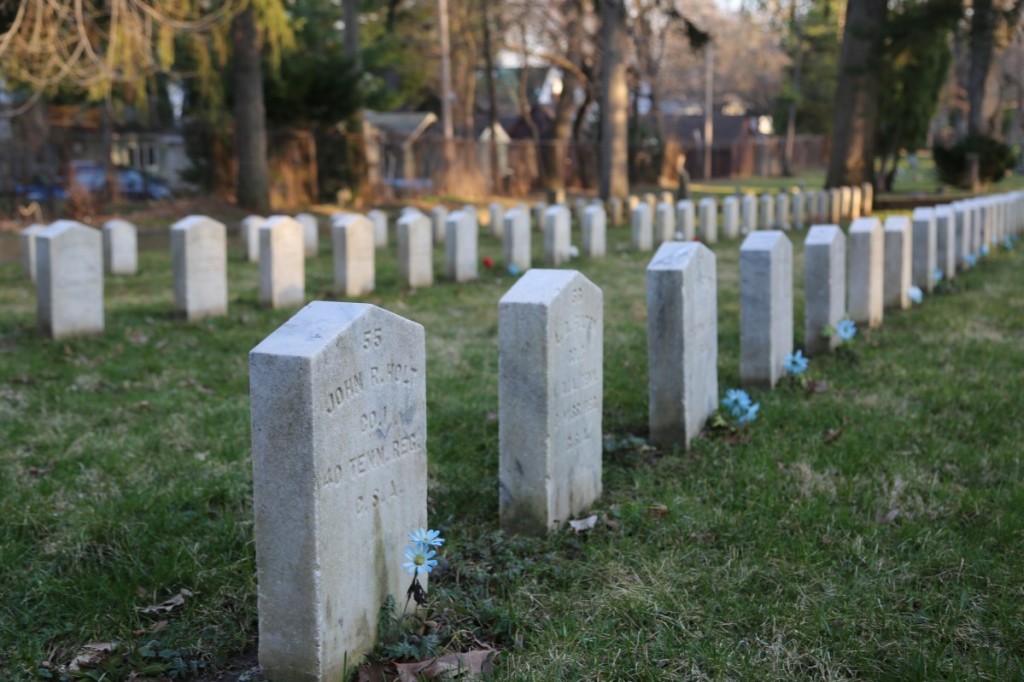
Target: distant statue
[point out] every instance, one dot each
(684, 177)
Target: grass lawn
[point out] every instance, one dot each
(873, 530)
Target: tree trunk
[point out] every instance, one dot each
(798, 58)
(980, 47)
(491, 100)
(856, 101)
(614, 102)
(564, 108)
(355, 140)
(253, 189)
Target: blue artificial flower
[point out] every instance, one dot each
(513, 270)
(430, 538)
(1008, 244)
(796, 363)
(983, 251)
(846, 329)
(937, 275)
(750, 414)
(971, 259)
(736, 401)
(915, 294)
(419, 559)
(574, 251)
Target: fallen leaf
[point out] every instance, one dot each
(169, 605)
(492, 416)
(832, 435)
(466, 665)
(91, 655)
(611, 523)
(138, 337)
(657, 510)
(890, 516)
(142, 405)
(192, 383)
(374, 671)
(583, 525)
(38, 471)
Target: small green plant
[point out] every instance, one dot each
(994, 160)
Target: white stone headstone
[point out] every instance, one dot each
(651, 199)
(642, 232)
(800, 209)
(497, 216)
(782, 211)
(856, 202)
(766, 211)
(708, 220)
(516, 246)
(594, 231)
(615, 209)
(665, 223)
(866, 272)
(846, 202)
(550, 388)
(898, 243)
(824, 286)
(924, 243)
(748, 213)
(352, 244)
(682, 342)
(69, 280)
(460, 248)
(579, 207)
(835, 205)
(945, 241)
(823, 209)
(867, 205)
(250, 232)
(282, 263)
(310, 233)
(557, 235)
(339, 462)
(539, 209)
(686, 219)
(668, 198)
(415, 251)
(731, 217)
(199, 253)
(120, 248)
(766, 306)
(379, 219)
(439, 218)
(28, 249)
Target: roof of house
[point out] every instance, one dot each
(407, 126)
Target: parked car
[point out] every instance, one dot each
(131, 182)
(39, 190)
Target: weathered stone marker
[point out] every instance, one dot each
(945, 241)
(866, 272)
(380, 227)
(415, 251)
(310, 233)
(69, 280)
(924, 257)
(709, 220)
(642, 233)
(766, 306)
(782, 219)
(28, 249)
(438, 220)
(550, 388)
(867, 205)
(516, 247)
(823, 210)
(766, 211)
(748, 213)
(557, 235)
(846, 201)
(800, 209)
(339, 460)
(282, 263)
(120, 247)
(199, 252)
(731, 217)
(594, 231)
(824, 286)
(682, 341)
(686, 219)
(538, 216)
(897, 262)
(615, 210)
(962, 216)
(352, 243)
(497, 216)
(856, 202)
(250, 233)
(460, 247)
(835, 206)
(665, 223)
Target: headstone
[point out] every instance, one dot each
(731, 217)
(470, 210)
(800, 209)
(846, 202)
(708, 220)
(945, 241)
(282, 263)
(415, 251)
(615, 209)
(516, 248)
(460, 248)
(120, 247)
(550, 388)
(251, 237)
(748, 213)
(924, 256)
(380, 228)
(438, 220)
(69, 280)
(766, 306)
(594, 231)
(682, 342)
(310, 233)
(556, 196)
(856, 200)
(866, 272)
(665, 223)
(824, 286)
(823, 211)
(497, 215)
(867, 198)
(28, 249)
(538, 215)
(668, 198)
(766, 211)
(579, 208)
(339, 462)
(352, 243)
(835, 206)
(557, 235)
(782, 211)
(898, 262)
(199, 253)
(642, 232)
(651, 199)
(686, 219)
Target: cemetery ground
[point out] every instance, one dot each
(873, 528)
